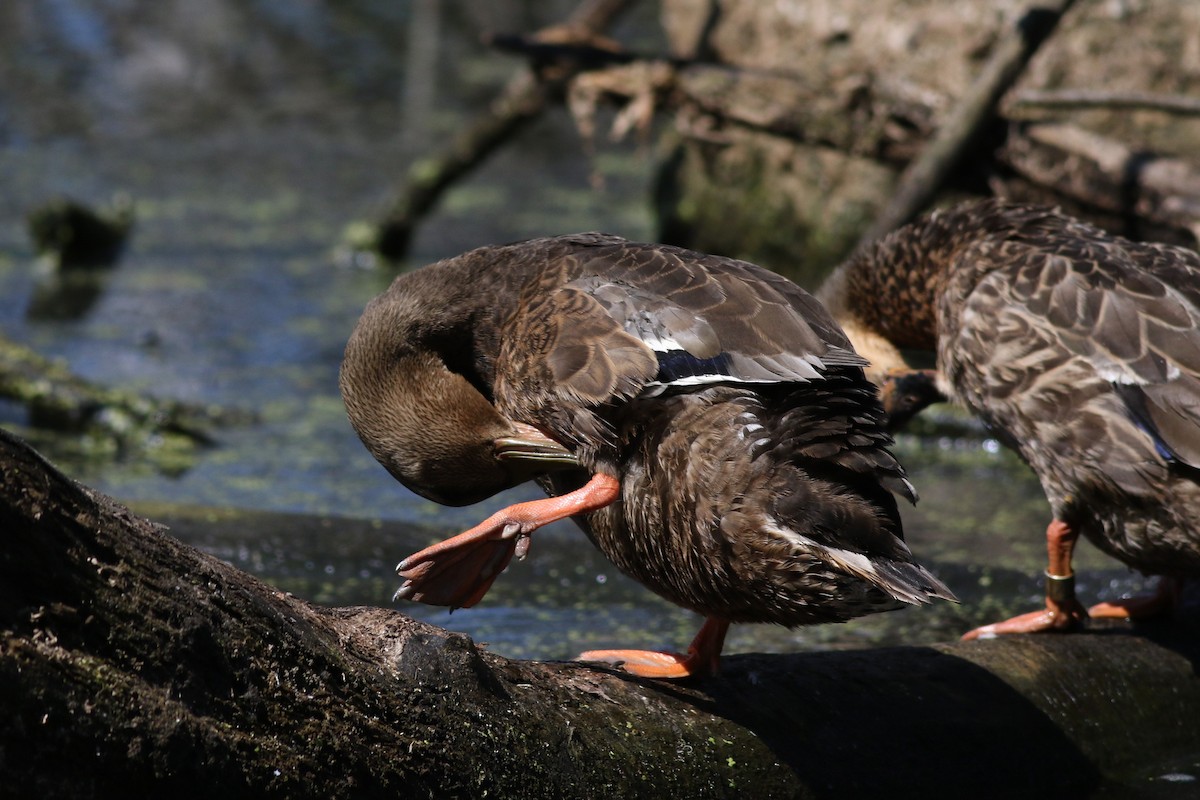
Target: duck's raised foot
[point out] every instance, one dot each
(459, 571)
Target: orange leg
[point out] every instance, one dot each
(703, 655)
(1159, 604)
(1063, 610)
(459, 571)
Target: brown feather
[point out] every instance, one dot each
(751, 450)
(1080, 349)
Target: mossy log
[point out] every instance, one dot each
(134, 665)
(58, 399)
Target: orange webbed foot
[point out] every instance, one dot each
(459, 571)
(1054, 618)
(648, 663)
(1160, 603)
(702, 659)
(1063, 611)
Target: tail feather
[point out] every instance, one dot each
(911, 583)
(906, 581)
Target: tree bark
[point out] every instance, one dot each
(133, 665)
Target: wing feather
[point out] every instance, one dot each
(1132, 311)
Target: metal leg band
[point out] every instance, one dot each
(1060, 588)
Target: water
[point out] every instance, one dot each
(247, 161)
(234, 289)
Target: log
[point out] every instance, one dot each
(925, 177)
(793, 136)
(1133, 192)
(134, 665)
(58, 399)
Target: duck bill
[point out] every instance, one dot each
(531, 445)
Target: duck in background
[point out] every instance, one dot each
(1079, 350)
(702, 419)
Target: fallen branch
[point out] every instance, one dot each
(523, 99)
(1084, 99)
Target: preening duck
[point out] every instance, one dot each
(703, 420)
(1078, 349)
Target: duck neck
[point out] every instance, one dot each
(886, 294)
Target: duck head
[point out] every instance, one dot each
(427, 424)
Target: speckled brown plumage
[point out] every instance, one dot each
(750, 451)
(1080, 350)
